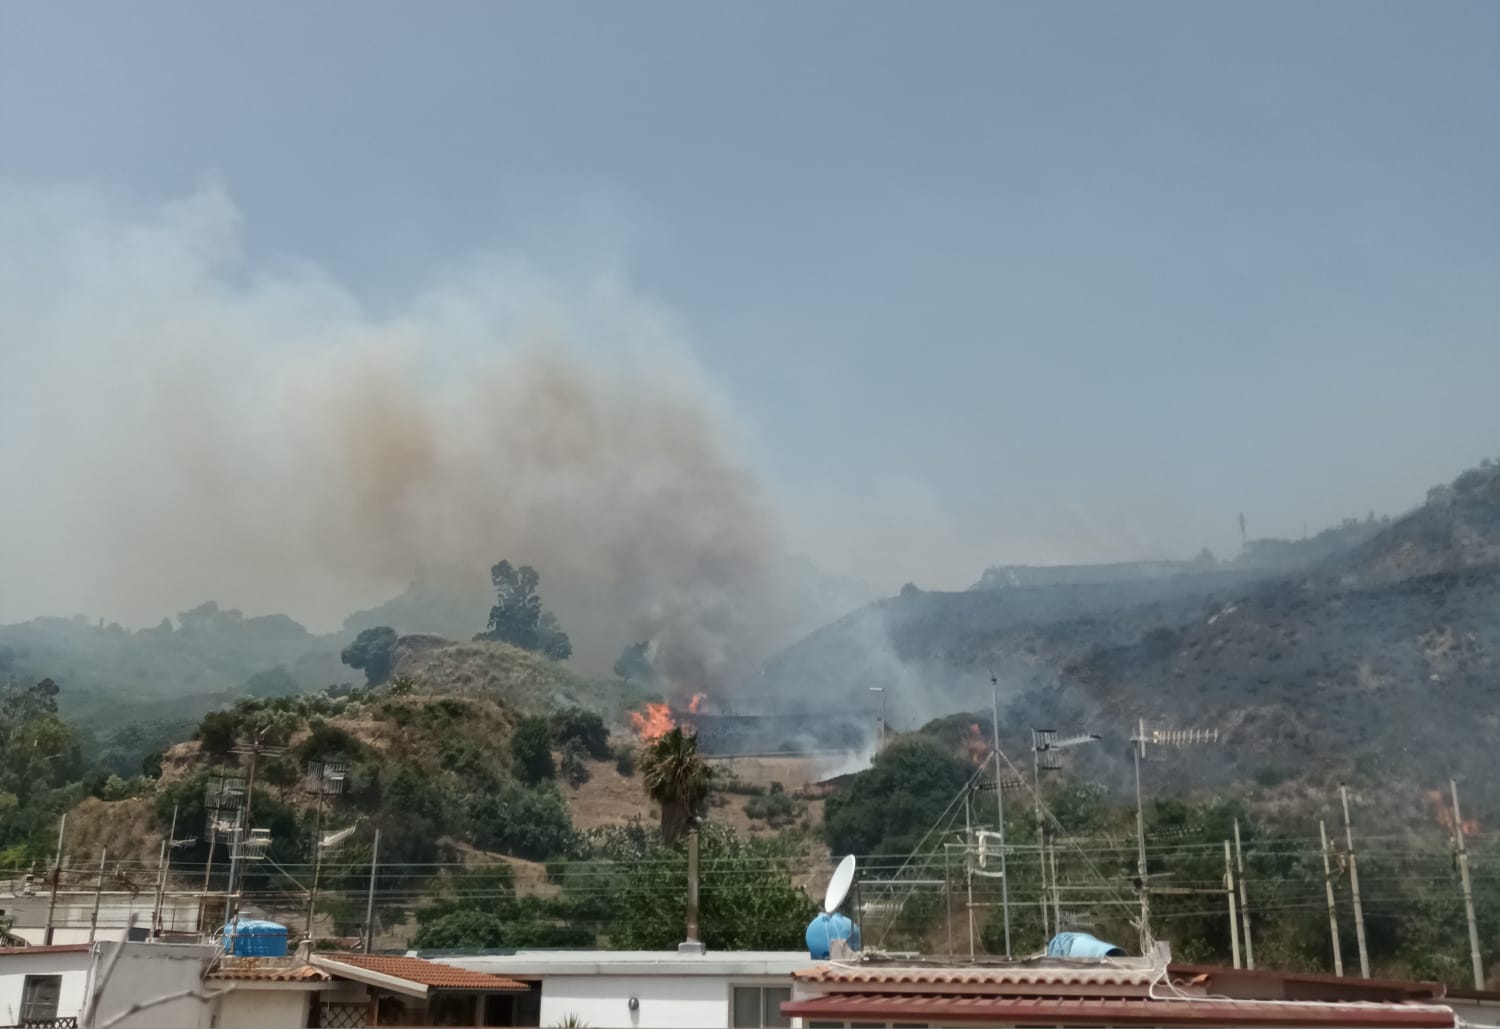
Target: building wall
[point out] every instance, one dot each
(263, 1009)
(146, 972)
(665, 1001)
(14, 968)
(73, 912)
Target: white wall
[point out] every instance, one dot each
(70, 918)
(666, 1001)
(147, 971)
(14, 968)
(263, 1009)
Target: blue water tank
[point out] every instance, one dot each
(1081, 945)
(824, 929)
(253, 937)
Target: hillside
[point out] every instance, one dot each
(1381, 657)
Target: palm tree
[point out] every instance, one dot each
(676, 778)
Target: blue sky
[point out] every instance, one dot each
(1027, 281)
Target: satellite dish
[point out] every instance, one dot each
(838, 886)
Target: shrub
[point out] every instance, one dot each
(585, 727)
(531, 751)
(625, 760)
(529, 823)
(575, 770)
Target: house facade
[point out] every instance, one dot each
(649, 989)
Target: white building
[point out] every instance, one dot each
(41, 984)
(74, 920)
(648, 989)
(51, 985)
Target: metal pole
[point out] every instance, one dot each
(1140, 840)
(948, 893)
(1000, 810)
(370, 900)
(1041, 833)
(62, 826)
(161, 874)
(692, 887)
(968, 869)
(1333, 922)
(1234, 916)
(1056, 896)
(1359, 911)
(1463, 871)
(312, 892)
(1239, 865)
(98, 890)
(208, 869)
(244, 824)
(231, 889)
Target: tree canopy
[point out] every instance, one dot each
(518, 617)
(374, 651)
(676, 778)
(888, 807)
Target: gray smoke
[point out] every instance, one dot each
(178, 427)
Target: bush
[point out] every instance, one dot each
(625, 760)
(575, 771)
(218, 732)
(528, 823)
(777, 809)
(531, 751)
(586, 727)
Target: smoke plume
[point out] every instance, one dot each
(179, 427)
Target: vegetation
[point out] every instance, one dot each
(676, 778)
(531, 750)
(518, 617)
(373, 650)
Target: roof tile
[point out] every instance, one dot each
(428, 973)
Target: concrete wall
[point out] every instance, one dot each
(146, 972)
(665, 1001)
(14, 968)
(74, 910)
(263, 1009)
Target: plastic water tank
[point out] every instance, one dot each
(1081, 945)
(824, 929)
(253, 937)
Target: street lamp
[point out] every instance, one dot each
(881, 690)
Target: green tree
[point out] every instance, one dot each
(528, 823)
(518, 617)
(584, 727)
(633, 664)
(889, 806)
(747, 899)
(373, 650)
(676, 778)
(531, 750)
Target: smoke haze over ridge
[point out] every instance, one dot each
(191, 431)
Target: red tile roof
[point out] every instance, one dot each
(427, 973)
(1106, 1011)
(269, 971)
(1011, 979)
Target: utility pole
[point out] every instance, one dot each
(1234, 917)
(1463, 871)
(969, 871)
(692, 944)
(1140, 838)
(1239, 865)
(1333, 922)
(62, 826)
(370, 899)
(161, 874)
(1359, 911)
(1056, 895)
(98, 889)
(1000, 809)
(1041, 830)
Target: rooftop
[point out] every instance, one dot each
(430, 974)
(629, 962)
(56, 948)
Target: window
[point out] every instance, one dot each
(755, 1007)
(39, 997)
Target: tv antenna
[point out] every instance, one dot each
(324, 779)
(1046, 748)
(1158, 738)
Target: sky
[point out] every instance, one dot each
(971, 282)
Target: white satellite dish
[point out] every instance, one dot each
(838, 886)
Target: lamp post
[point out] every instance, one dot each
(881, 690)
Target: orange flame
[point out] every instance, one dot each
(976, 746)
(696, 704)
(655, 722)
(1444, 814)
